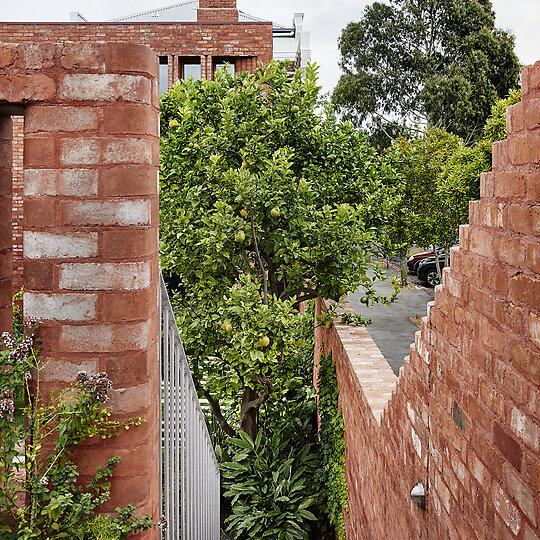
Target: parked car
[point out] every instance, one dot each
(427, 270)
(414, 260)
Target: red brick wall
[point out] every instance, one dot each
(17, 207)
(464, 416)
(90, 232)
(6, 248)
(210, 39)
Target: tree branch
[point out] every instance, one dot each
(285, 295)
(259, 400)
(218, 415)
(263, 271)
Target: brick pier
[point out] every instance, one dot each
(90, 233)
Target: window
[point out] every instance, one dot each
(190, 68)
(163, 75)
(226, 64)
(192, 71)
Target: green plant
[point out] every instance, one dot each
(431, 63)
(262, 207)
(332, 444)
(269, 482)
(40, 496)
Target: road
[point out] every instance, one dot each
(392, 329)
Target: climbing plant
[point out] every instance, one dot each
(332, 444)
(40, 495)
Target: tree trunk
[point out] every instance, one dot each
(249, 415)
(437, 263)
(403, 272)
(447, 255)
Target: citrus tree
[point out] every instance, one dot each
(266, 201)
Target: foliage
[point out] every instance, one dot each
(495, 128)
(283, 459)
(270, 483)
(266, 201)
(431, 62)
(332, 443)
(433, 178)
(38, 438)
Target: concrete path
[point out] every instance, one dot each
(391, 328)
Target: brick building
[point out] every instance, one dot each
(192, 38)
(289, 43)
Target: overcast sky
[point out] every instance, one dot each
(324, 19)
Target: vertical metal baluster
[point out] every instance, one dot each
(191, 446)
(190, 475)
(178, 412)
(160, 359)
(185, 470)
(166, 407)
(174, 430)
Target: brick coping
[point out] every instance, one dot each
(372, 371)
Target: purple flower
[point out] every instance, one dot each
(7, 407)
(96, 386)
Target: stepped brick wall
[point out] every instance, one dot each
(464, 416)
(90, 230)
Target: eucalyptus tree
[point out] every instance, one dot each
(414, 64)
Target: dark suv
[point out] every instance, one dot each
(427, 270)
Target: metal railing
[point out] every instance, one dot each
(190, 473)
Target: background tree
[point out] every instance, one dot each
(432, 63)
(432, 178)
(265, 203)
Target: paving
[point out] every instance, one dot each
(391, 328)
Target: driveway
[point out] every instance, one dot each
(392, 329)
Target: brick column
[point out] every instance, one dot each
(90, 235)
(6, 241)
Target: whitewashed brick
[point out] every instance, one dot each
(77, 182)
(506, 509)
(69, 182)
(104, 276)
(105, 87)
(521, 493)
(524, 427)
(60, 307)
(534, 329)
(128, 151)
(63, 370)
(40, 245)
(80, 152)
(104, 338)
(416, 443)
(40, 182)
(137, 212)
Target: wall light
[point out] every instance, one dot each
(418, 495)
